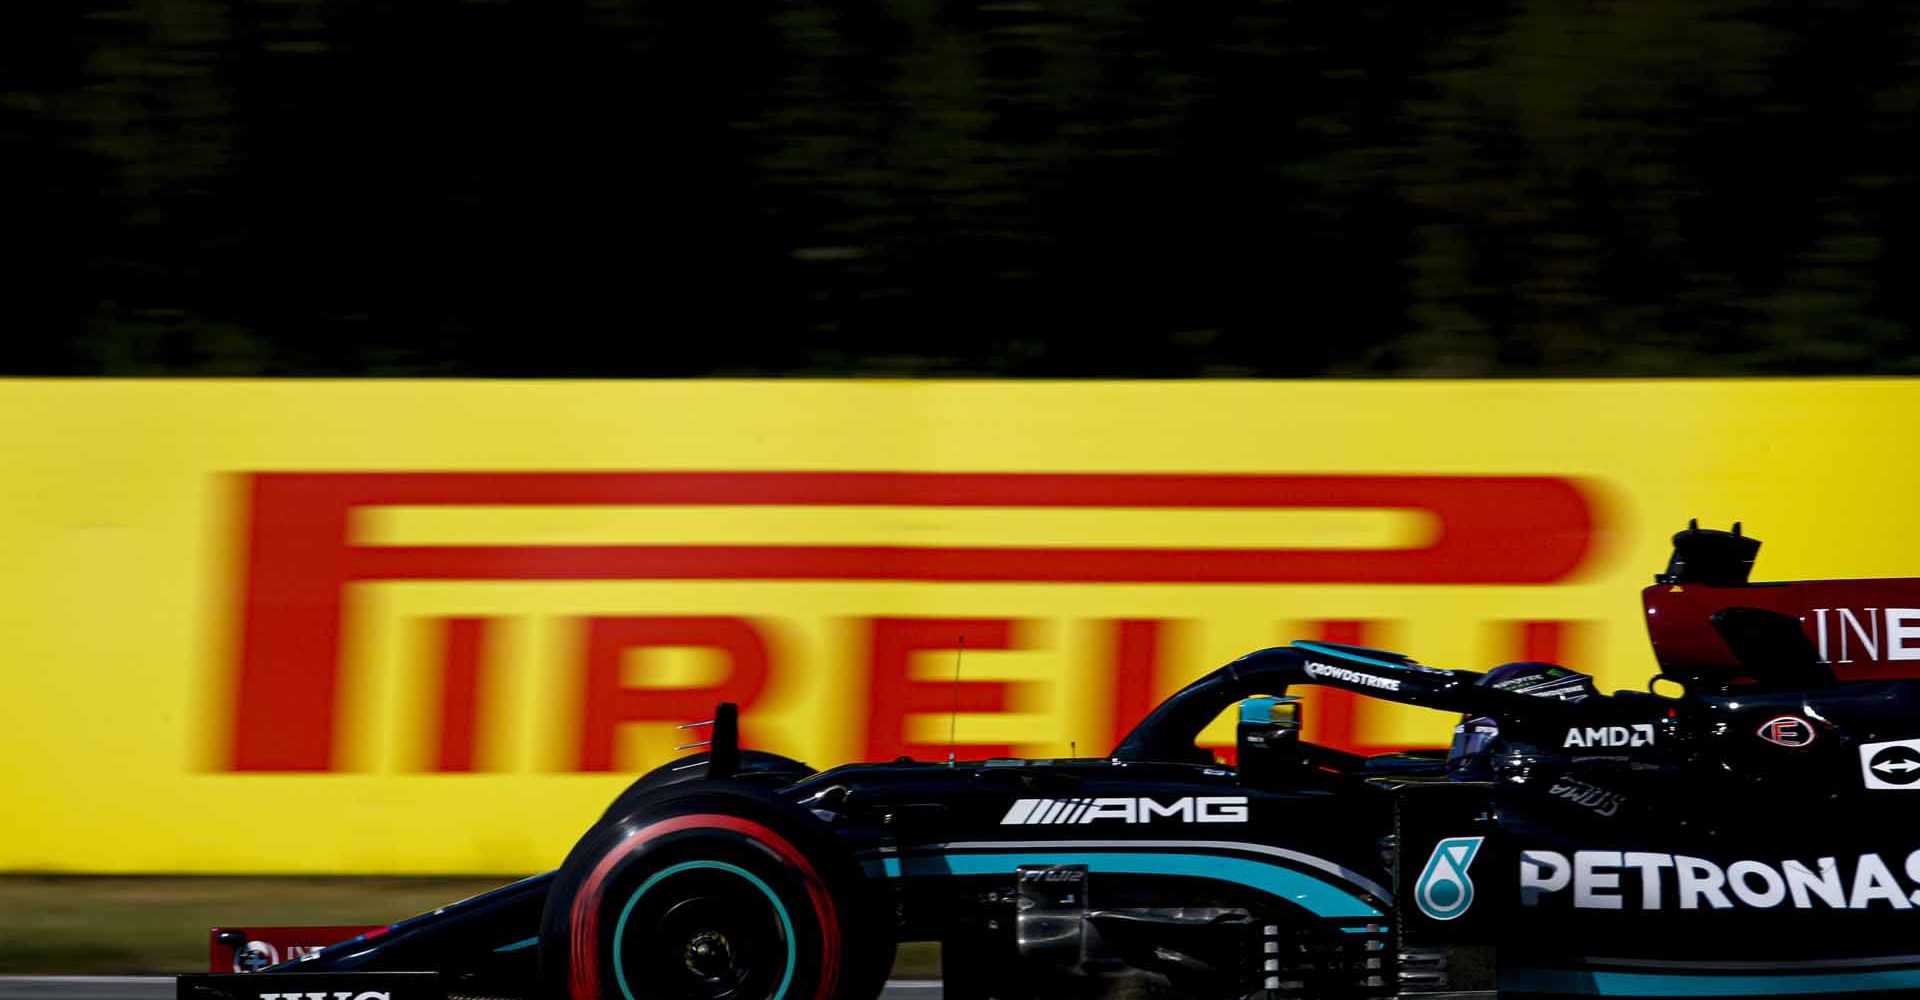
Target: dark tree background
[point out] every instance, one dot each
(1071, 187)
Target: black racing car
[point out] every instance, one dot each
(1747, 837)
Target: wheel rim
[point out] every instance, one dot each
(704, 930)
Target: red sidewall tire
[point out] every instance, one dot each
(772, 859)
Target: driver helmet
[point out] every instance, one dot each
(1471, 756)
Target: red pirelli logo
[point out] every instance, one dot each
(300, 558)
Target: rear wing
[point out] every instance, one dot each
(1859, 629)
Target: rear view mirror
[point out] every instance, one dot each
(1269, 710)
(1268, 740)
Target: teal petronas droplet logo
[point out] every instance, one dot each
(1445, 891)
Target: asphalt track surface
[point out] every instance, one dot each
(161, 988)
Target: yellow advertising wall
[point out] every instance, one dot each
(157, 540)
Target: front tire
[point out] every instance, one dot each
(711, 891)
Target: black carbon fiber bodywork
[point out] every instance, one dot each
(1752, 838)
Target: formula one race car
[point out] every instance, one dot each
(1750, 836)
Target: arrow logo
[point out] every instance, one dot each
(1893, 765)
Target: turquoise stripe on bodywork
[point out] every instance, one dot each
(1317, 897)
(1341, 654)
(1584, 982)
(517, 945)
